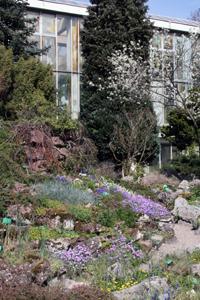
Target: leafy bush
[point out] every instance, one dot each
(63, 191)
(195, 195)
(106, 217)
(81, 213)
(112, 211)
(139, 189)
(11, 156)
(44, 233)
(183, 167)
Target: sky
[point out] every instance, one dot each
(171, 8)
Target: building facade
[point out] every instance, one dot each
(58, 27)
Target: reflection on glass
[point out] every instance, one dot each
(75, 92)
(48, 24)
(157, 63)
(64, 89)
(157, 41)
(63, 26)
(62, 57)
(50, 56)
(75, 44)
(168, 41)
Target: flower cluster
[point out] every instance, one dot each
(123, 246)
(79, 255)
(140, 204)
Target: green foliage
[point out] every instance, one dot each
(33, 95)
(27, 92)
(44, 233)
(106, 217)
(11, 157)
(139, 189)
(195, 195)
(64, 192)
(81, 213)
(111, 212)
(16, 29)
(179, 130)
(183, 167)
(110, 26)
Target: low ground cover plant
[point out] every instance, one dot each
(65, 192)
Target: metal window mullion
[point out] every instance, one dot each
(71, 58)
(56, 46)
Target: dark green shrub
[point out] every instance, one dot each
(81, 213)
(106, 217)
(127, 216)
(183, 167)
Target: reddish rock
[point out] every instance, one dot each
(37, 137)
(57, 141)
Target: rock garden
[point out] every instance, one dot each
(90, 236)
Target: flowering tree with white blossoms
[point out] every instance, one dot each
(134, 138)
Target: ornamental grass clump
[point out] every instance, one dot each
(63, 191)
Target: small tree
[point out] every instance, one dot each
(16, 29)
(134, 138)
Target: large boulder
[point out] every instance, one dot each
(184, 186)
(186, 212)
(145, 290)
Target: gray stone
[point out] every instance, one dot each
(184, 211)
(116, 271)
(58, 244)
(196, 269)
(146, 288)
(68, 224)
(157, 239)
(65, 283)
(146, 245)
(184, 185)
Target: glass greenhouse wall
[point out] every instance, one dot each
(61, 35)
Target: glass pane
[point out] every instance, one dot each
(75, 44)
(156, 63)
(50, 56)
(48, 24)
(157, 41)
(168, 41)
(75, 93)
(62, 57)
(165, 153)
(64, 89)
(63, 26)
(64, 43)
